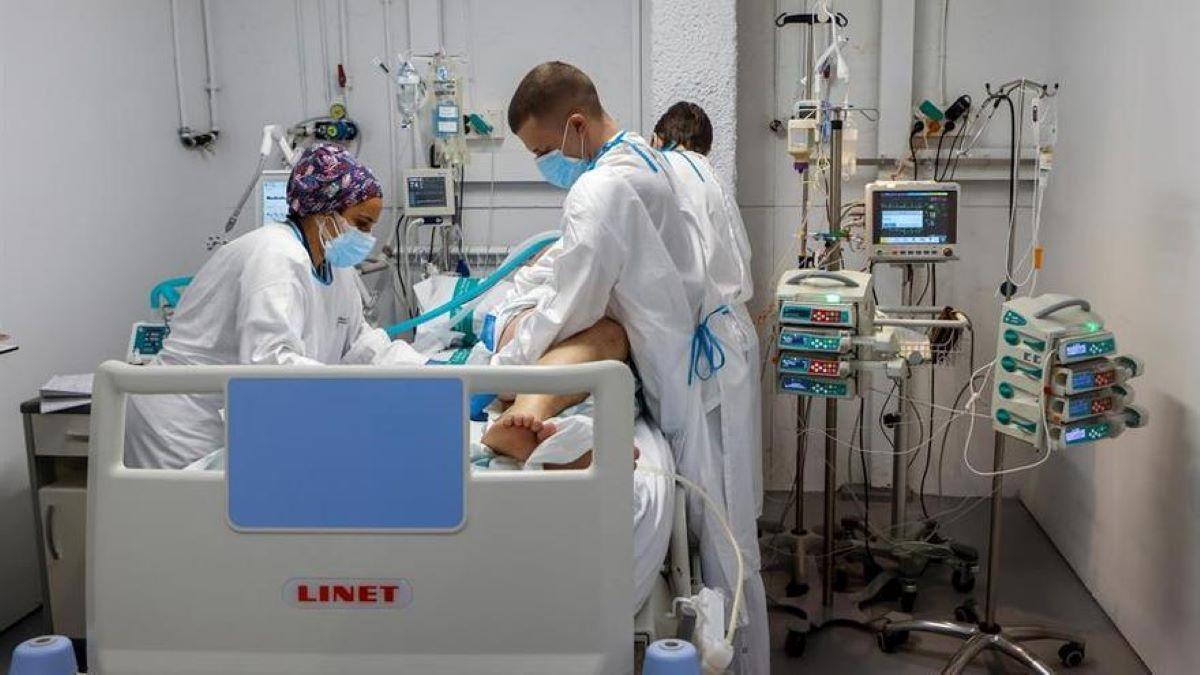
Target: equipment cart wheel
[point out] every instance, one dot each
(795, 643)
(963, 580)
(1071, 654)
(966, 613)
(890, 641)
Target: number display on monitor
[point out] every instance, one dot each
(426, 191)
(915, 217)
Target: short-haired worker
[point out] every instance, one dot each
(684, 133)
(630, 252)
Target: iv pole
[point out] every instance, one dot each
(987, 633)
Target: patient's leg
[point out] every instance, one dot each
(516, 433)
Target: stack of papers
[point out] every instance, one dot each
(64, 392)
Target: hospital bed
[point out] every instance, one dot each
(344, 569)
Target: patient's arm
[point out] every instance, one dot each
(605, 340)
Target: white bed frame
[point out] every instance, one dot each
(172, 589)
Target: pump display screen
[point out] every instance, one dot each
(1086, 433)
(427, 191)
(1092, 379)
(148, 339)
(915, 217)
(819, 388)
(1089, 347)
(1088, 406)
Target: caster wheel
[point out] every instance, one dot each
(795, 590)
(841, 580)
(1071, 654)
(962, 580)
(966, 614)
(795, 643)
(890, 641)
(908, 600)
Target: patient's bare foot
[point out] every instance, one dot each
(515, 435)
(548, 430)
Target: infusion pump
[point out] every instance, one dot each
(912, 221)
(822, 316)
(1059, 381)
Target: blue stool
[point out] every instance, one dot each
(45, 655)
(671, 657)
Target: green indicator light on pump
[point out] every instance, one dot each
(1091, 326)
(833, 298)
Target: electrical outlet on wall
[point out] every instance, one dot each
(497, 116)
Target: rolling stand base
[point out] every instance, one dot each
(850, 609)
(979, 638)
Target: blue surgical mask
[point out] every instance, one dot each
(350, 247)
(560, 170)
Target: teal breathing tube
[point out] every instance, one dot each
(528, 250)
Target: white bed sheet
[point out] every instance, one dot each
(653, 501)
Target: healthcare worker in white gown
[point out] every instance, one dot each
(284, 294)
(631, 252)
(684, 133)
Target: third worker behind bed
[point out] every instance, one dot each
(684, 133)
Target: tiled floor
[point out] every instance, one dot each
(1035, 585)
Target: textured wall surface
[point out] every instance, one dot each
(693, 51)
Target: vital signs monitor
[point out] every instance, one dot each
(272, 196)
(428, 192)
(912, 221)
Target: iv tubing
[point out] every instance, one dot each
(736, 609)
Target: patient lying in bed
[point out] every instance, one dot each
(565, 441)
(536, 431)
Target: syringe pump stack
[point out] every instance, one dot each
(823, 318)
(1059, 381)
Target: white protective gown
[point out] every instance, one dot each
(727, 250)
(630, 250)
(256, 301)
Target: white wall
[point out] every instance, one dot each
(680, 27)
(1121, 230)
(88, 128)
(99, 201)
(989, 42)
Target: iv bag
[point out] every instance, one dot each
(410, 93)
